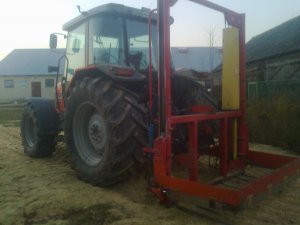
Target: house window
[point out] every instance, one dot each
(49, 82)
(8, 83)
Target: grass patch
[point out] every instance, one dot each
(275, 120)
(10, 115)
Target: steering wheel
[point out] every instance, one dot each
(109, 58)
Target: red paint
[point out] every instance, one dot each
(59, 103)
(150, 82)
(202, 109)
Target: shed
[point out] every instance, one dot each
(275, 54)
(200, 59)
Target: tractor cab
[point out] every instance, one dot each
(110, 36)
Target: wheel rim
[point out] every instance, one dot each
(90, 135)
(29, 131)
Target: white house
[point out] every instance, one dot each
(24, 73)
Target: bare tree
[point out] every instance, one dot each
(211, 35)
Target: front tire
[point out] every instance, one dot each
(35, 143)
(105, 131)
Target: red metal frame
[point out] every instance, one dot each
(162, 151)
(150, 88)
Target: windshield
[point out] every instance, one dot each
(106, 41)
(138, 41)
(109, 45)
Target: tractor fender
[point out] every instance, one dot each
(103, 71)
(48, 118)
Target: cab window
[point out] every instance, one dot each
(106, 44)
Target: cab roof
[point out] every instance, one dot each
(110, 8)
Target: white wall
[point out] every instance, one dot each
(22, 87)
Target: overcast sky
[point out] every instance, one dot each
(27, 24)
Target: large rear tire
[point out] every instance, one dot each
(104, 130)
(35, 143)
(186, 93)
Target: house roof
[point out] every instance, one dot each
(26, 62)
(195, 58)
(276, 41)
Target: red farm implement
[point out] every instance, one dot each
(233, 185)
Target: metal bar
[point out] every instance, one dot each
(261, 184)
(193, 148)
(160, 157)
(213, 6)
(206, 191)
(224, 147)
(268, 160)
(161, 66)
(167, 55)
(234, 139)
(164, 63)
(232, 18)
(242, 123)
(150, 86)
(59, 108)
(202, 117)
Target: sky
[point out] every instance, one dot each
(27, 24)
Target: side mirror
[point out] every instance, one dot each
(53, 41)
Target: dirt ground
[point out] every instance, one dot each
(47, 191)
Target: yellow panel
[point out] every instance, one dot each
(230, 74)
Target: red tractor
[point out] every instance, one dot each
(120, 103)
